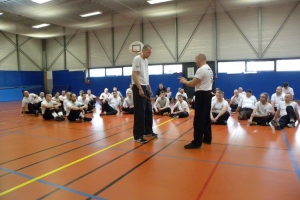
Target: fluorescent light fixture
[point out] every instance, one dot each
(40, 25)
(40, 1)
(157, 1)
(1, 13)
(91, 14)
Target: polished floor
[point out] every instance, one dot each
(99, 160)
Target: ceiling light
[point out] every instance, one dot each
(157, 1)
(91, 14)
(40, 25)
(1, 13)
(40, 1)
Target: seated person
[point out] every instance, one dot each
(180, 109)
(193, 102)
(111, 105)
(160, 88)
(262, 110)
(169, 94)
(63, 96)
(288, 112)
(75, 111)
(246, 105)
(66, 101)
(214, 93)
(128, 107)
(41, 97)
(104, 95)
(161, 105)
(287, 89)
(234, 101)
(241, 92)
(276, 98)
(84, 101)
(56, 97)
(30, 101)
(182, 93)
(219, 109)
(51, 109)
(91, 98)
(115, 89)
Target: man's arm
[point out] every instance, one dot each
(136, 82)
(191, 83)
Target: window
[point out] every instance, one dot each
(231, 67)
(155, 69)
(288, 65)
(113, 71)
(172, 69)
(127, 71)
(97, 72)
(255, 66)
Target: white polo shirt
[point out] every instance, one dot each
(181, 106)
(140, 65)
(206, 75)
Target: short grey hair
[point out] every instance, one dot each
(146, 46)
(201, 55)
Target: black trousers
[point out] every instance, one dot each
(143, 118)
(48, 113)
(128, 110)
(181, 114)
(247, 111)
(284, 120)
(73, 115)
(108, 109)
(233, 107)
(202, 122)
(34, 107)
(161, 112)
(263, 120)
(222, 118)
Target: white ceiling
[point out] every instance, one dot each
(63, 15)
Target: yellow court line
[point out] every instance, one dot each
(72, 163)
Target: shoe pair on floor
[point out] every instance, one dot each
(143, 141)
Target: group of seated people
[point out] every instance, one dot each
(256, 112)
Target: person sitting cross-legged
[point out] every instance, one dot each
(262, 111)
(180, 109)
(111, 105)
(75, 110)
(128, 106)
(219, 109)
(51, 109)
(246, 105)
(234, 101)
(288, 112)
(161, 105)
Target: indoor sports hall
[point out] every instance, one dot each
(51, 46)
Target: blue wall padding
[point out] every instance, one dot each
(11, 94)
(76, 81)
(21, 78)
(258, 83)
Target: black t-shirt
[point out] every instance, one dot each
(159, 90)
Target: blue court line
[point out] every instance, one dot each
(53, 184)
(292, 156)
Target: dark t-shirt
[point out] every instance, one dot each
(159, 90)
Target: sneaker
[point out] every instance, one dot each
(141, 140)
(87, 119)
(175, 116)
(151, 135)
(291, 125)
(277, 126)
(191, 146)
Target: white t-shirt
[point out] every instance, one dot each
(235, 99)
(289, 89)
(263, 109)
(90, 96)
(217, 106)
(183, 95)
(242, 94)
(206, 75)
(119, 94)
(40, 99)
(277, 99)
(55, 99)
(282, 107)
(181, 106)
(168, 95)
(71, 104)
(247, 102)
(104, 95)
(114, 102)
(45, 103)
(29, 99)
(162, 103)
(140, 65)
(128, 102)
(62, 98)
(85, 102)
(65, 102)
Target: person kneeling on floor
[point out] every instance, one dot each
(288, 112)
(75, 111)
(219, 109)
(51, 109)
(262, 111)
(180, 109)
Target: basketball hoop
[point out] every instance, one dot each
(136, 47)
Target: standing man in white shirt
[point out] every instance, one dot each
(287, 89)
(143, 118)
(202, 82)
(262, 111)
(276, 98)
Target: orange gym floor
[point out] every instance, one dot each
(99, 160)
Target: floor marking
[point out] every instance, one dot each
(70, 164)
